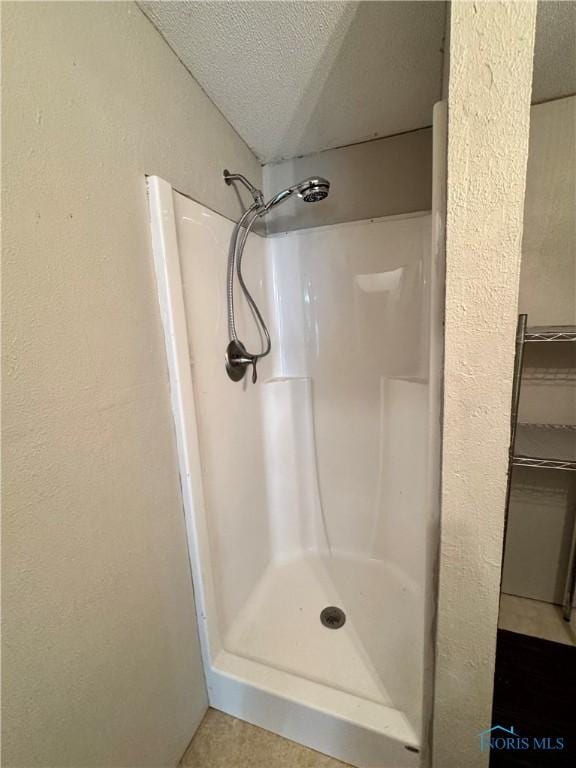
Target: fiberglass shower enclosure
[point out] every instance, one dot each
(318, 485)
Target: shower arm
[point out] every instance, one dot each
(257, 195)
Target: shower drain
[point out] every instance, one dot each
(333, 617)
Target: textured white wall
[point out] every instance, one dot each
(100, 649)
(548, 275)
(541, 515)
(491, 49)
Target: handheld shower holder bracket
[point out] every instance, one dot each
(257, 195)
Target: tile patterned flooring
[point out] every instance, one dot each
(537, 619)
(534, 689)
(225, 742)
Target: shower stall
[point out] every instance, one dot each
(311, 496)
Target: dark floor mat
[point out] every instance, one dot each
(535, 693)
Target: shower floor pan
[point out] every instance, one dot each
(284, 671)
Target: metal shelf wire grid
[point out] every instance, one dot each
(551, 333)
(545, 446)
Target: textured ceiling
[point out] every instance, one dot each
(296, 77)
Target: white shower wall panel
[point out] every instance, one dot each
(229, 418)
(353, 316)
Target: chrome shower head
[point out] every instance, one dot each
(314, 189)
(310, 190)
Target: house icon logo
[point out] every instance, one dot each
(496, 732)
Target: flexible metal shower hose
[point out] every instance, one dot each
(237, 242)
